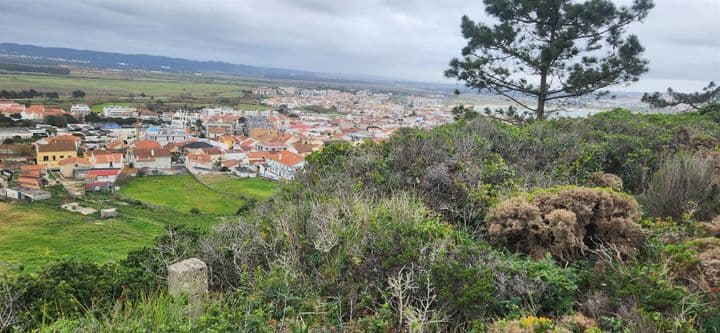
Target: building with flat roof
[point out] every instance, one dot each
(115, 111)
(80, 110)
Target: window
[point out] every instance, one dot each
(54, 158)
(45, 158)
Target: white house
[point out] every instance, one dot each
(152, 158)
(285, 164)
(80, 110)
(106, 160)
(166, 135)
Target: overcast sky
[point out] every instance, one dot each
(398, 39)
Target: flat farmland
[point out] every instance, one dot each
(158, 87)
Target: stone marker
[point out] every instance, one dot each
(188, 279)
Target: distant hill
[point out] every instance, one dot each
(30, 54)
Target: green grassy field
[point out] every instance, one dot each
(32, 235)
(181, 193)
(251, 188)
(185, 192)
(159, 87)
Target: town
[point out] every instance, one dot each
(96, 148)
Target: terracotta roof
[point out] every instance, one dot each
(273, 144)
(199, 158)
(230, 163)
(56, 147)
(287, 158)
(116, 144)
(212, 151)
(30, 182)
(149, 154)
(33, 167)
(37, 108)
(259, 155)
(107, 158)
(301, 126)
(103, 172)
(9, 107)
(302, 148)
(54, 112)
(147, 144)
(31, 173)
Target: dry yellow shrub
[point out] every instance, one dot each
(601, 179)
(566, 223)
(697, 265)
(713, 228)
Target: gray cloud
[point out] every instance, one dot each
(403, 39)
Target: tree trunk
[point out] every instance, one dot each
(540, 112)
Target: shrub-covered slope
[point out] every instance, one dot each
(474, 226)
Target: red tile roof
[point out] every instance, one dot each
(33, 167)
(147, 144)
(287, 158)
(103, 172)
(199, 158)
(150, 154)
(107, 158)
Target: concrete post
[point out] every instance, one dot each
(188, 279)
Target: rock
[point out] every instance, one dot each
(108, 213)
(188, 279)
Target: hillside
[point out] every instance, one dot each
(110, 60)
(547, 226)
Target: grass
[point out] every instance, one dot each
(159, 87)
(33, 234)
(224, 197)
(251, 188)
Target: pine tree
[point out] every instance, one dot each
(549, 51)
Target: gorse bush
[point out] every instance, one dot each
(683, 184)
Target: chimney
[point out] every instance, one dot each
(152, 152)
